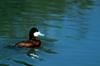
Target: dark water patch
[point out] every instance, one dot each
(2, 57)
(4, 65)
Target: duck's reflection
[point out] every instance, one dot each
(33, 53)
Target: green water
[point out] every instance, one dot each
(71, 29)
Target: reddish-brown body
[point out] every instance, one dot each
(29, 43)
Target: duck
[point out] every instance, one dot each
(33, 40)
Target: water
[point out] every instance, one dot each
(71, 29)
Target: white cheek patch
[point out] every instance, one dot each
(38, 33)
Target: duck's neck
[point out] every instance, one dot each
(32, 38)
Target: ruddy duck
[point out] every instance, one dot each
(33, 39)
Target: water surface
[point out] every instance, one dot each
(71, 29)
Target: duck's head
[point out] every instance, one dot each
(34, 33)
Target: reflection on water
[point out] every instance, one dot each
(60, 20)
